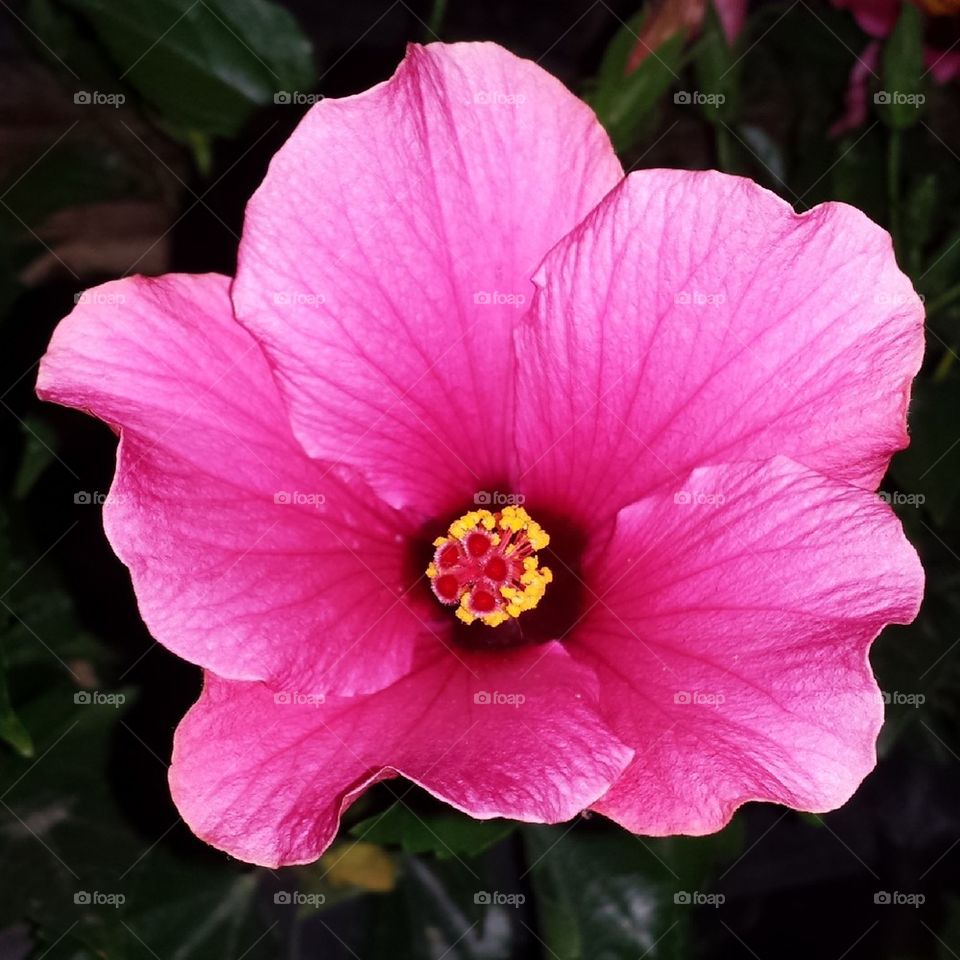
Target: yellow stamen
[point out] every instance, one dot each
(513, 537)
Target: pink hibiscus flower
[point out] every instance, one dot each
(542, 487)
(669, 17)
(878, 18)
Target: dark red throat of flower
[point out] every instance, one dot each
(487, 567)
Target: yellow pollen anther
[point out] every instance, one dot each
(487, 565)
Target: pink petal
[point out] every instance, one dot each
(943, 64)
(382, 225)
(876, 17)
(225, 576)
(856, 99)
(663, 21)
(733, 15)
(692, 318)
(731, 642)
(267, 780)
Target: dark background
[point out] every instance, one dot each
(88, 193)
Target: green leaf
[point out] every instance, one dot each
(624, 102)
(949, 930)
(902, 97)
(438, 911)
(767, 150)
(58, 36)
(83, 872)
(604, 894)
(446, 835)
(204, 66)
(11, 729)
(38, 454)
(942, 269)
(920, 215)
(717, 71)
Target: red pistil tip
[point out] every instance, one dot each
(487, 565)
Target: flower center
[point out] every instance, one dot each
(487, 565)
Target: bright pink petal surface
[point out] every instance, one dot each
(730, 634)
(694, 318)
(267, 781)
(304, 594)
(387, 258)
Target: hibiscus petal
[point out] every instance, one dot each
(856, 99)
(733, 15)
(386, 259)
(730, 637)
(512, 734)
(694, 318)
(876, 17)
(306, 589)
